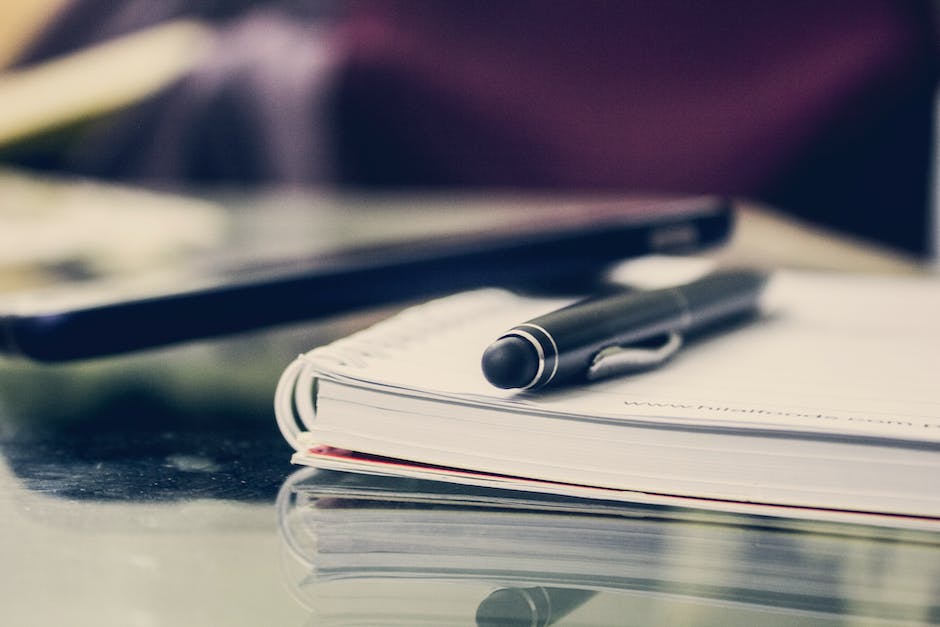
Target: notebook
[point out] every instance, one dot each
(427, 553)
(828, 403)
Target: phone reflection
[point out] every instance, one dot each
(368, 550)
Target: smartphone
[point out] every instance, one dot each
(279, 262)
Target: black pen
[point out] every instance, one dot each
(607, 335)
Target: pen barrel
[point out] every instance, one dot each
(571, 337)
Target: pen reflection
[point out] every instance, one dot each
(538, 606)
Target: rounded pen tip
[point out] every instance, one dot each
(510, 362)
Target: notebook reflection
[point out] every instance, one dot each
(362, 550)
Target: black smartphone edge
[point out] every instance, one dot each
(355, 280)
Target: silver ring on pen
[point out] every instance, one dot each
(545, 347)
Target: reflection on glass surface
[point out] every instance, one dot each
(368, 550)
(537, 606)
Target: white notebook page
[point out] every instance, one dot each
(837, 354)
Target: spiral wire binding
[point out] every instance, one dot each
(294, 399)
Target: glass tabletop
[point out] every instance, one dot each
(156, 490)
(140, 491)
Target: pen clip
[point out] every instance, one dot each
(614, 360)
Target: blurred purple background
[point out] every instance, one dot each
(824, 109)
